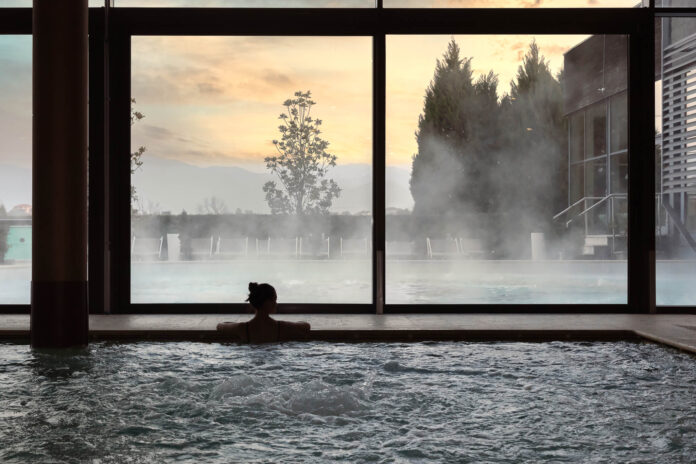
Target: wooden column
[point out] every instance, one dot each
(59, 310)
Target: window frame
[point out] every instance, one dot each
(15, 21)
(112, 28)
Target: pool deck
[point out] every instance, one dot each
(678, 331)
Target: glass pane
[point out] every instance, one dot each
(596, 178)
(247, 3)
(514, 3)
(477, 202)
(675, 4)
(596, 127)
(577, 182)
(226, 191)
(598, 221)
(619, 189)
(675, 162)
(619, 115)
(619, 173)
(577, 137)
(15, 169)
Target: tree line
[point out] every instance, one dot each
(481, 153)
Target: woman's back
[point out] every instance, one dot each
(265, 331)
(261, 331)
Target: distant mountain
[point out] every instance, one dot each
(172, 186)
(15, 186)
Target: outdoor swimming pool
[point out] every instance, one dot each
(408, 281)
(353, 403)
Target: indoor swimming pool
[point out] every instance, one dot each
(353, 403)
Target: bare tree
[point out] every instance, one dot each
(212, 205)
(135, 157)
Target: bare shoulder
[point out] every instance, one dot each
(293, 330)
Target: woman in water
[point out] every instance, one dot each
(262, 328)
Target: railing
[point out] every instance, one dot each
(599, 200)
(571, 207)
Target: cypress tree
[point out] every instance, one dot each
(454, 139)
(533, 166)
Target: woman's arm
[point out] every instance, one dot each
(293, 330)
(229, 328)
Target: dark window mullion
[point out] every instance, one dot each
(119, 169)
(378, 167)
(641, 181)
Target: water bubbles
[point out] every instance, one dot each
(238, 385)
(434, 402)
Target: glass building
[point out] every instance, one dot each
(595, 104)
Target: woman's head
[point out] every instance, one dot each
(262, 297)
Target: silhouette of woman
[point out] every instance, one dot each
(263, 328)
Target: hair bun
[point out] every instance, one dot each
(253, 286)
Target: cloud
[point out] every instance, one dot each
(276, 78)
(219, 158)
(156, 132)
(209, 88)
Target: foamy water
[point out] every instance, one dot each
(320, 402)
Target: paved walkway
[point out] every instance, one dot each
(678, 331)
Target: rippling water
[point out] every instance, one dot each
(319, 402)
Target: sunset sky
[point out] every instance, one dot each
(215, 100)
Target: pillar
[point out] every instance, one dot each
(59, 310)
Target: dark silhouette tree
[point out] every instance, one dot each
(533, 170)
(455, 139)
(301, 164)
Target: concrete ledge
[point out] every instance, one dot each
(672, 330)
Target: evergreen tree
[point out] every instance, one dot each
(455, 137)
(533, 166)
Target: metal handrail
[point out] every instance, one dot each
(601, 200)
(583, 199)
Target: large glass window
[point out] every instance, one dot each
(675, 162)
(15, 169)
(251, 161)
(477, 202)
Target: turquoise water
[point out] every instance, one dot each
(352, 403)
(408, 282)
